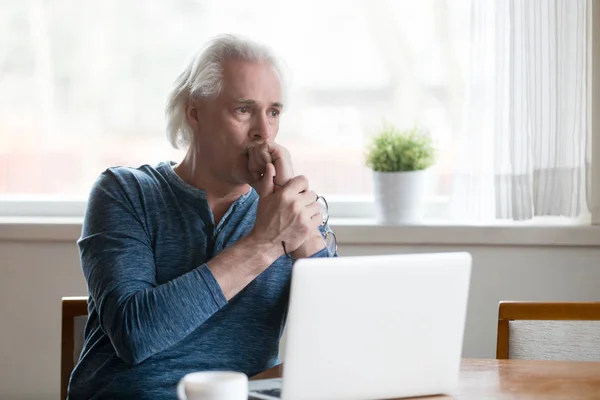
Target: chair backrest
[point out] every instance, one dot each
(74, 316)
(549, 331)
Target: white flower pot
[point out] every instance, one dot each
(399, 196)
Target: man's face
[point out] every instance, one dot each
(246, 112)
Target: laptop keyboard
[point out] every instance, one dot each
(265, 389)
(275, 392)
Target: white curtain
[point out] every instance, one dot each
(524, 150)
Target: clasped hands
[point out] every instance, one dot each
(288, 212)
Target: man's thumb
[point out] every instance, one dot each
(266, 186)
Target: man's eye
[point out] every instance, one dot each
(243, 110)
(274, 113)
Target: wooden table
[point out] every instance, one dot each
(517, 379)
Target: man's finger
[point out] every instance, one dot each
(297, 184)
(264, 152)
(265, 185)
(255, 165)
(280, 157)
(314, 210)
(309, 197)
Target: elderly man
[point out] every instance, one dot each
(188, 265)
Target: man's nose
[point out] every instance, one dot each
(262, 128)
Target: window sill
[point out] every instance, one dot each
(359, 232)
(40, 229)
(367, 231)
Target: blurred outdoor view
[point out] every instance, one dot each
(83, 83)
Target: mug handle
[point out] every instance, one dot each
(181, 390)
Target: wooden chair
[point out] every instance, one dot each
(74, 314)
(549, 331)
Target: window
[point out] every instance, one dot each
(83, 87)
(83, 84)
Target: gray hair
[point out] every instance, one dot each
(203, 78)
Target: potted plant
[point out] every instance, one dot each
(399, 160)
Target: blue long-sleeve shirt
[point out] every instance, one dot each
(156, 311)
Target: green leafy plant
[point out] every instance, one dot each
(396, 150)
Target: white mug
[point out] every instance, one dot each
(213, 385)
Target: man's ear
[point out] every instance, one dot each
(192, 113)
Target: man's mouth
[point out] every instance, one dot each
(247, 147)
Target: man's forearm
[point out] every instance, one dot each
(241, 263)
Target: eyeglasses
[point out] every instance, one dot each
(328, 235)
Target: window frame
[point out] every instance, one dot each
(595, 109)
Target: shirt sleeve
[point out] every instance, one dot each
(140, 317)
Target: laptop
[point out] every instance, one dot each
(372, 327)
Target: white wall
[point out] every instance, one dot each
(35, 275)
